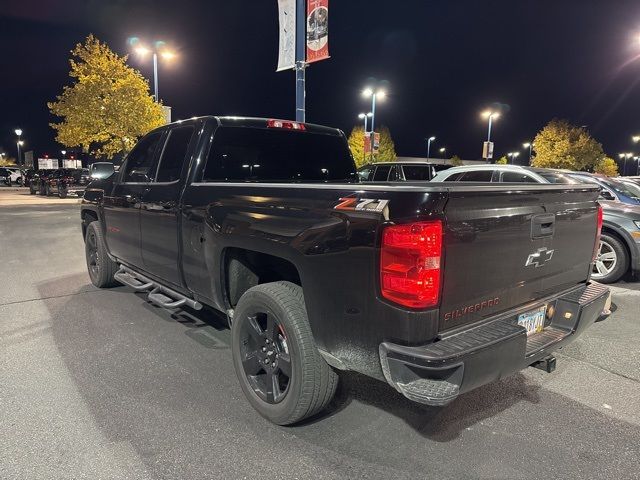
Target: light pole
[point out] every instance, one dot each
(490, 115)
(442, 152)
(626, 157)
(513, 156)
(18, 132)
(366, 117)
(429, 140)
(528, 145)
(374, 94)
(250, 167)
(158, 49)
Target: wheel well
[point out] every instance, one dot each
(246, 268)
(615, 234)
(87, 217)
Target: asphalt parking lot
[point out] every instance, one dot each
(100, 384)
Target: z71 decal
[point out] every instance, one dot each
(364, 205)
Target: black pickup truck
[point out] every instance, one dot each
(435, 288)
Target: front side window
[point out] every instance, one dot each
(140, 160)
(245, 154)
(174, 154)
(365, 174)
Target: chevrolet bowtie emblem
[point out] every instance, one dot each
(540, 257)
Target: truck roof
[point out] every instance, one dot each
(258, 122)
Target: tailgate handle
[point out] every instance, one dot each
(543, 225)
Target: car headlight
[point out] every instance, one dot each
(637, 222)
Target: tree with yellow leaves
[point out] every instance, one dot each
(607, 166)
(386, 152)
(108, 106)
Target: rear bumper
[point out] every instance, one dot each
(437, 373)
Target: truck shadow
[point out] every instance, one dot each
(209, 329)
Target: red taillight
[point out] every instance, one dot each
(285, 124)
(410, 264)
(598, 232)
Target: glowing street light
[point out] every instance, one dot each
(18, 132)
(366, 117)
(374, 94)
(528, 145)
(626, 157)
(490, 115)
(442, 152)
(429, 140)
(159, 48)
(513, 156)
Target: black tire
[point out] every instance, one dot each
(62, 192)
(611, 245)
(47, 190)
(31, 190)
(19, 181)
(312, 382)
(101, 268)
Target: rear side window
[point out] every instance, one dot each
(382, 173)
(417, 172)
(517, 177)
(241, 154)
(174, 153)
(477, 176)
(140, 160)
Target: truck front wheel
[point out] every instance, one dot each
(101, 268)
(281, 372)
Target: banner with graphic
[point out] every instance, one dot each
(317, 30)
(287, 46)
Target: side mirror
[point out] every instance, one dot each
(606, 195)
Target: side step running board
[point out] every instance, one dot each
(159, 294)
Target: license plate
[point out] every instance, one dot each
(533, 321)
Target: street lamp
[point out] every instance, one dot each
(158, 49)
(528, 145)
(490, 115)
(366, 117)
(250, 167)
(18, 132)
(626, 157)
(513, 156)
(429, 140)
(374, 94)
(442, 152)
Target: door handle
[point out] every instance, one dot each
(543, 225)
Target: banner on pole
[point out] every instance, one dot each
(287, 46)
(317, 30)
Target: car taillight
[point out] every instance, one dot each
(285, 124)
(598, 232)
(410, 264)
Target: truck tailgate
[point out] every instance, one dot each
(508, 247)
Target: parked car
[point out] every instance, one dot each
(399, 171)
(612, 189)
(28, 175)
(489, 173)
(5, 176)
(437, 290)
(619, 250)
(63, 182)
(16, 175)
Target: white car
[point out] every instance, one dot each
(16, 175)
(490, 173)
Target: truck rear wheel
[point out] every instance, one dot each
(101, 268)
(281, 372)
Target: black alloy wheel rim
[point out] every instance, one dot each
(265, 356)
(92, 255)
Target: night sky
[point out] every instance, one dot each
(445, 62)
